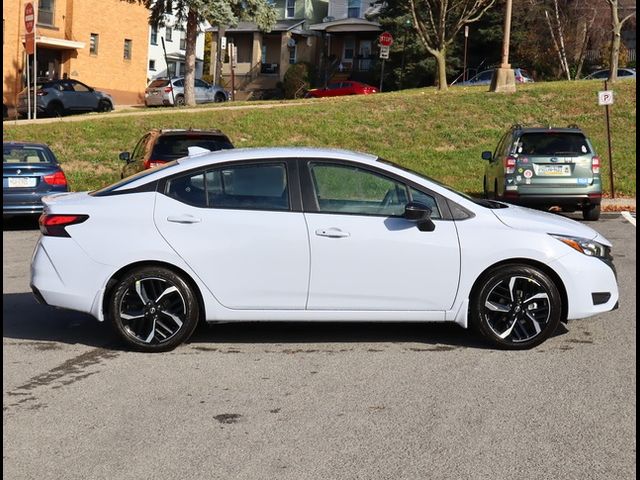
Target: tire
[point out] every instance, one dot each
(104, 106)
(516, 307)
(220, 97)
(591, 213)
(55, 109)
(180, 101)
(154, 324)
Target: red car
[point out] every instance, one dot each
(342, 88)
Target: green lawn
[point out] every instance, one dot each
(439, 134)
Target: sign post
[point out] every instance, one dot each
(605, 98)
(464, 63)
(233, 52)
(30, 48)
(385, 40)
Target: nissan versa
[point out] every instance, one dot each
(301, 234)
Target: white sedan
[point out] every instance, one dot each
(301, 234)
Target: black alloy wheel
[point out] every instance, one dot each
(517, 307)
(153, 309)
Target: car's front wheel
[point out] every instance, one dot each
(153, 309)
(219, 97)
(516, 307)
(104, 106)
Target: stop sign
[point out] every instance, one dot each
(386, 39)
(29, 17)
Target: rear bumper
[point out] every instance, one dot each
(546, 200)
(157, 101)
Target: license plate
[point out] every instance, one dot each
(556, 170)
(22, 182)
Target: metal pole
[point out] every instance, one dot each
(404, 46)
(606, 110)
(464, 63)
(166, 61)
(382, 75)
(232, 60)
(35, 76)
(28, 68)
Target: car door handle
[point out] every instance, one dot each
(332, 233)
(183, 219)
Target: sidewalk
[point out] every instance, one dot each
(618, 204)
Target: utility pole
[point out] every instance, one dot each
(504, 79)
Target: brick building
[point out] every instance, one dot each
(103, 43)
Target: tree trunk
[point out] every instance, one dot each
(190, 60)
(616, 27)
(441, 61)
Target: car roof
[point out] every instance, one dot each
(548, 129)
(176, 131)
(25, 144)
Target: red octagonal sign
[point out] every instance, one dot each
(29, 17)
(386, 39)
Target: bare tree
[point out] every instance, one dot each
(557, 35)
(616, 29)
(437, 23)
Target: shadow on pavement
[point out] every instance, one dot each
(20, 223)
(25, 319)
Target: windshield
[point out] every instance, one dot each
(131, 179)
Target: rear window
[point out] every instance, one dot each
(158, 83)
(172, 147)
(26, 154)
(552, 143)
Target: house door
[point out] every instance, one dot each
(365, 56)
(348, 51)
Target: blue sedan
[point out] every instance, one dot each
(29, 171)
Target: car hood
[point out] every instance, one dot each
(522, 218)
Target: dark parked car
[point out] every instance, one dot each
(545, 167)
(29, 171)
(484, 77)
(158, 147)
(59, 97)
(342, 88)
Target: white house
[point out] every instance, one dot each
(174, 35)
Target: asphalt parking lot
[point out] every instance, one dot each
(316, 401)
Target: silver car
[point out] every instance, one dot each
(164, 91)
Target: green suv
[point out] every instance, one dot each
(544, 168)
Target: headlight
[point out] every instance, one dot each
(584, 245)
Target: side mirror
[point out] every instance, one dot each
(487, 156)
(421, 214)
(126, 156)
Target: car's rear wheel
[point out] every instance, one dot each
(180, 101)
(591, 213)
(516, 307)
(153, 309)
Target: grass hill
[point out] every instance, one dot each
(440, 134)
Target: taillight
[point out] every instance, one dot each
(509, 165)
(595, 164)
(53, 225)
(57, 178)
(153, 163)
(41, 93)
(167, 89)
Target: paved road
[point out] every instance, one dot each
(291, 401)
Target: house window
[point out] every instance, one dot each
(292, 54)
(353, 10)
(349, 48)
(46, 12)
(291, 8)
(154, 35)
(171, 69)
(182, 69)
(93, 44)
(127, 49)
(168, 34)
(183, 40)
(152, 65)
